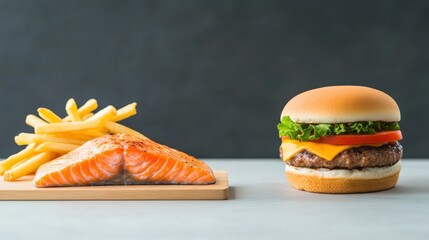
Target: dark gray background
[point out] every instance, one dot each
(210, 77)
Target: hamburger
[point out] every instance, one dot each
(341, 139)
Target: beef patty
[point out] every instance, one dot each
(352, 158)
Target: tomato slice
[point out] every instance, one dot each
(356, 139)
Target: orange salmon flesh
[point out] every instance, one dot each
(123, 159)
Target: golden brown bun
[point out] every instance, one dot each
(342, 104)
(313, 183)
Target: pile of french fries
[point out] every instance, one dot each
(54, 136)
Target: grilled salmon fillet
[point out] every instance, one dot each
(123, 159)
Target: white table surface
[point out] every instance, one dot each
(262, 205)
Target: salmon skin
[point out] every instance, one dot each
(123, 159)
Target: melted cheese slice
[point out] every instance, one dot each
(323, 150)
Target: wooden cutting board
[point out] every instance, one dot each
(23, 189)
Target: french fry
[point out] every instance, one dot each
(93, 133)
(54, 136)
(87, 116)
(48, 115)
(55, 147)
(104, 114)
(30, 138)
(72, 135)
(21, 141)
(22, 161)
(15, 158)
(34, 121)
(28, 166)
(86, 108)
(125, 112)
(119, 128)
(72, 111)
(68, 126)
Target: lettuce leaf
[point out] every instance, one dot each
(305, 132)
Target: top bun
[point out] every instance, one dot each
(342, 104)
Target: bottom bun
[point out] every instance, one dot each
(343, 181)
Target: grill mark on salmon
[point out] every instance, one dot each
(131, 160)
